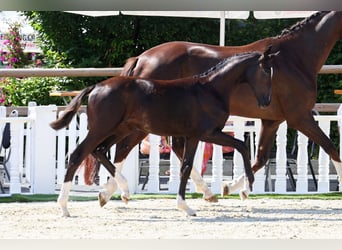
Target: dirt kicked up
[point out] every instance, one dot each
(159, 219)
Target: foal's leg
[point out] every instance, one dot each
(85, 148)
(178, 148)
(123, 148)
(218, 137)
(101, 157)
(266, 139)
(187, 161)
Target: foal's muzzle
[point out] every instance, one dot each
(264, 101)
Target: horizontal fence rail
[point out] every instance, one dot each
(51, 72)
(87, 72)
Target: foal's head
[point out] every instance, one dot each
(259, 76)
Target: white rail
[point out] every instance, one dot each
(74, 72)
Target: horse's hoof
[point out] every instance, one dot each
(212, 199)
(191, 212)
(243, 195)
(65, 213)
(124, 199)
(102, 200)
(225, 189)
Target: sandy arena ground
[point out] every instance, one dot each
(159, 219)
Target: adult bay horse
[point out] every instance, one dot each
(304, 47)
(193, 108)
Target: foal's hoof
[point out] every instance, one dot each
(65, 213)
(212, 199)
(244, 194)
(190, 212)
(124, 199)
(102, 200)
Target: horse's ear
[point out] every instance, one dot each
(268, 51)
(267, 56)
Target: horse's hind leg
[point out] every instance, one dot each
(123, 148)
(310, 128)
(201, 186)
(76, 158)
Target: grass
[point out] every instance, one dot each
(53, 197)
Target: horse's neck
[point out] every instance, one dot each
(226, 79)
(312, 46)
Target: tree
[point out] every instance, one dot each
(82, 41)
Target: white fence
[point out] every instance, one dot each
(39, 157)
(32, 152)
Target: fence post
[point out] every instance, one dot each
(174, 172)
(28, 146)
(217, 169)
(323, 161)
(131, 169)
(43, 171)
(153, 179)
(302, 164)
(259, 183)
(280, 183)
(238, 163)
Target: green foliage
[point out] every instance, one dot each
(70, 40)
(84, 41)
(20, 91)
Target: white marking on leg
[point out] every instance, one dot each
(122, 182)
(200, 184)
(244, 193)
(235, 185)
(181, 205)
(108, 190)
(63, 198)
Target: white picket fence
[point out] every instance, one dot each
(39, 157)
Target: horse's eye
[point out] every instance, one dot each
(267, 70)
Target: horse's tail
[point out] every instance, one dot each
(71, 109)
(129, 66)
(91, 168)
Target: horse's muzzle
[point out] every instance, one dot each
(265, 101)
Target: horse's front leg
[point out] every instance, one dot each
(218, 137)
(266, 139)
(110, 187)
(201, 186)
(187, 161)
(123, 148)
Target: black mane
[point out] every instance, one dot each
(299, 25)
(223, 63)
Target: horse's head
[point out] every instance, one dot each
(259, 76)
(338, 15)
